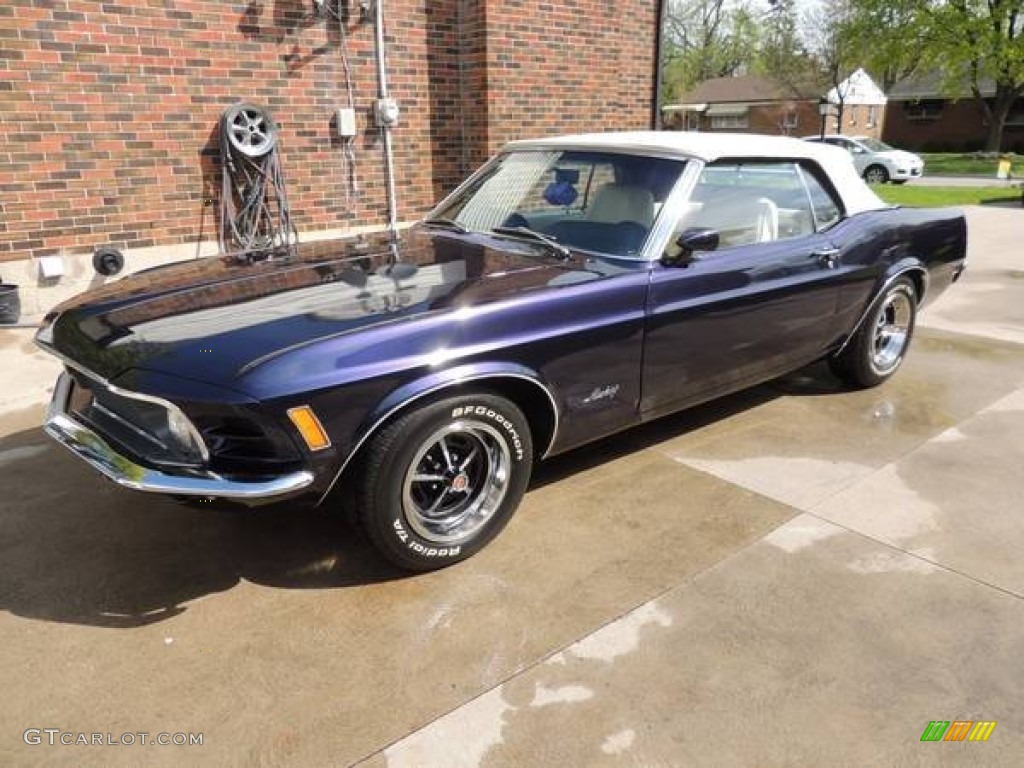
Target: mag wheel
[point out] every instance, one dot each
(438, 483)
(877, 349)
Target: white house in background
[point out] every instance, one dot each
(860, 104)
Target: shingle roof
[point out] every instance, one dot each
(724, 90)
(933, 85)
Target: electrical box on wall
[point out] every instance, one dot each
(386, 111)
(346, 120)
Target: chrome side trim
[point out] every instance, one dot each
(871, 304)
(167, 404)
(437, 388)
(96, 452)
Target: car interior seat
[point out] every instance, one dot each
(767, 221)
(615, 203)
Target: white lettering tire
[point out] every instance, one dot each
(441, 481)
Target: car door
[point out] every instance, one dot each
(762, 303)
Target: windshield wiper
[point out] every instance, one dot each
(539, 237)
(451, 224)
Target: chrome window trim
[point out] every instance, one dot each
(127, 393)
(437, 388)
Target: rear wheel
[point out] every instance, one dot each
(877, 349)
(439, 483)
(876, 174)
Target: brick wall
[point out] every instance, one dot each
(108, 109)
(959, 127)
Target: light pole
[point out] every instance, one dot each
(823, 109)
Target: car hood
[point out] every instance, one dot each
(209, 319)
(900, 157)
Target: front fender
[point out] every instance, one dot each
(437, 381)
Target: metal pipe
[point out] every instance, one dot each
(659, 68)
(389, 159)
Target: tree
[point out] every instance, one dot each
(705, 39)
(836, 50)
(782, 55)
(890, 35)
(980, 42)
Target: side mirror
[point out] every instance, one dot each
(691, 242)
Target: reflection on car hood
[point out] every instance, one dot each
(208, 319)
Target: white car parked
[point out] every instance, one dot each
(875, 160)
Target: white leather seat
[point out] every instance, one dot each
(620, 202)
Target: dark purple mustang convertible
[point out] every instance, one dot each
(571, 288)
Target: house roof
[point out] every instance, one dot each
(708, 147)
(747, 88)
(934, 85)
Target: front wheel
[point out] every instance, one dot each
(876, 174)
(878, 347)
(441, 481)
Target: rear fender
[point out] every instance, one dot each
(909, 266)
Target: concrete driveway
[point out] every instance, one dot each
(795, 575)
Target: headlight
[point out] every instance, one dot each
(180, 427)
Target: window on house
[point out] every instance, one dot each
(927, 109)
(872, 116)
(729, 122)
(791, 120)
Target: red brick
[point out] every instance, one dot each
(121, 99)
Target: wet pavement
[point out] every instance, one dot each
(795, 575)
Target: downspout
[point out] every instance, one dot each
(659, 43)
(385, 127)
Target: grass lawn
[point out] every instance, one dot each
(966, 163)
(934, 197)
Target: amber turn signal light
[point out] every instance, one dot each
(309, 427)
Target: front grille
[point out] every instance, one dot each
(239, 439)
(138, 426)
(239, 444)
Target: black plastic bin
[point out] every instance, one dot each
(10, 304)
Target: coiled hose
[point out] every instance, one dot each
(254, 212)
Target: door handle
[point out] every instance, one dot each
(827, 257)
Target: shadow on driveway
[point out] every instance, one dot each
(76, 549)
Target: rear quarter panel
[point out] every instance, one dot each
(930, 243)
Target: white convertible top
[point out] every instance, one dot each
(709, 147)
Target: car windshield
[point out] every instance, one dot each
(875, 145)
(602, 202)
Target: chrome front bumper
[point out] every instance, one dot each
(95, 451)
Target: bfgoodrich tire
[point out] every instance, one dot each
(877, 349)
(440, 482)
